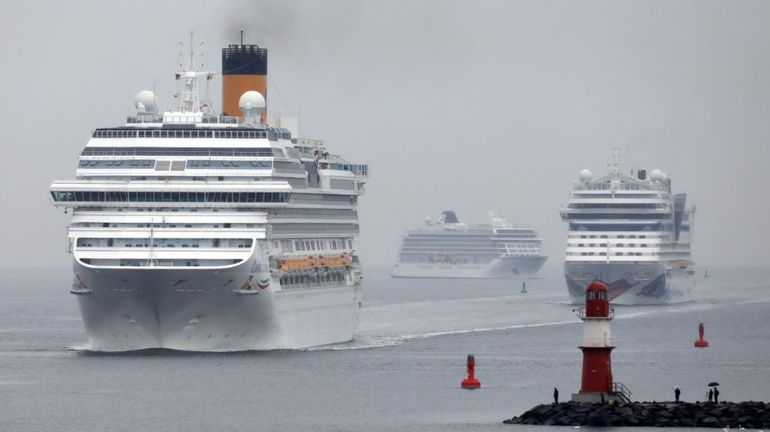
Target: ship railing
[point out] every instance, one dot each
(582, 314)
(221, 119)
(149, 118)
(157, 118)
(622, 392)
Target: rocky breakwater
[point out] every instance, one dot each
(753, 415)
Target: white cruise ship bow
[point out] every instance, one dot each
(197, 231)
(632, 233)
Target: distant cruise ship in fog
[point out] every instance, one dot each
(451, 249)
(632, 233)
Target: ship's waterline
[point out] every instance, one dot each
(499, 268)
(630, 283)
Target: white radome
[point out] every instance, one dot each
(586, 175)
(657, 175)
(146, 102)
(251, 103)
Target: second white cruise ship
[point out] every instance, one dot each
(197, 231)
(630, 232)
(449, 248)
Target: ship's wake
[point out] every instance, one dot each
(395, 324)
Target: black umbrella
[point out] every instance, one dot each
(713, 384)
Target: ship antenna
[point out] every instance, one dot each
(191, 65)
(241, 36)
(151, 257)
(616, 160)
(189, 97)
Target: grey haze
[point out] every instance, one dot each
(473, 106)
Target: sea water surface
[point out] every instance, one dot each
(401, 373)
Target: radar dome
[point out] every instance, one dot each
(252, 103)
(657, 175)
(146, 102)
(586, 175)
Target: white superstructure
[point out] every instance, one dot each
(195, 231)
(631, 232)
(449, 248)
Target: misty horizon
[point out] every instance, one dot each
(494, 106)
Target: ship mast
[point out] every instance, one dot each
(616, 160)
(189, 97)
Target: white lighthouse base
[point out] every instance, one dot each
(597, 397)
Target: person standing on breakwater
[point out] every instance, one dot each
(711, 395)
(716, 395)
(555, 395)
(677, 392)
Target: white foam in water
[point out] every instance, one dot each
(497, 306)
(83, 347)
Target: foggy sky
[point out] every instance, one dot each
(471, 106)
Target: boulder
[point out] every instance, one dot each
(754, 415)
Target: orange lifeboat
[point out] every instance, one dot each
(313, 263)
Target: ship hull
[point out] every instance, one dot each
(501, 268)
(206, 310)
(642, 283)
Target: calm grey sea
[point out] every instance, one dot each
(401, 373)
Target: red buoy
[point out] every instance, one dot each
(470, 382)
(701, 343)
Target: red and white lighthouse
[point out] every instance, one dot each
(596, 384)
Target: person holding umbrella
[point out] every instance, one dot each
(714, 391)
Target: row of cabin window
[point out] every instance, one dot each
(615, 216)
(234, 197)
(605, 227)
(358, 169)
(158, 225)
(289, 166)
(287, 281)
(620, 236)
(615, 206)
(183, 151)
(116, 164)
(455, 260)
(308, 212)
(215, 243)
(175, 165)
(605, 254)
(179, 133)
(324, 198)
(578, 195)
(617, 245)
(318, 245)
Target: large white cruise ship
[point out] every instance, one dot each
(449, 248)
(205, 232)
(630, 232)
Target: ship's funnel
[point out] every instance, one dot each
(244, 68)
